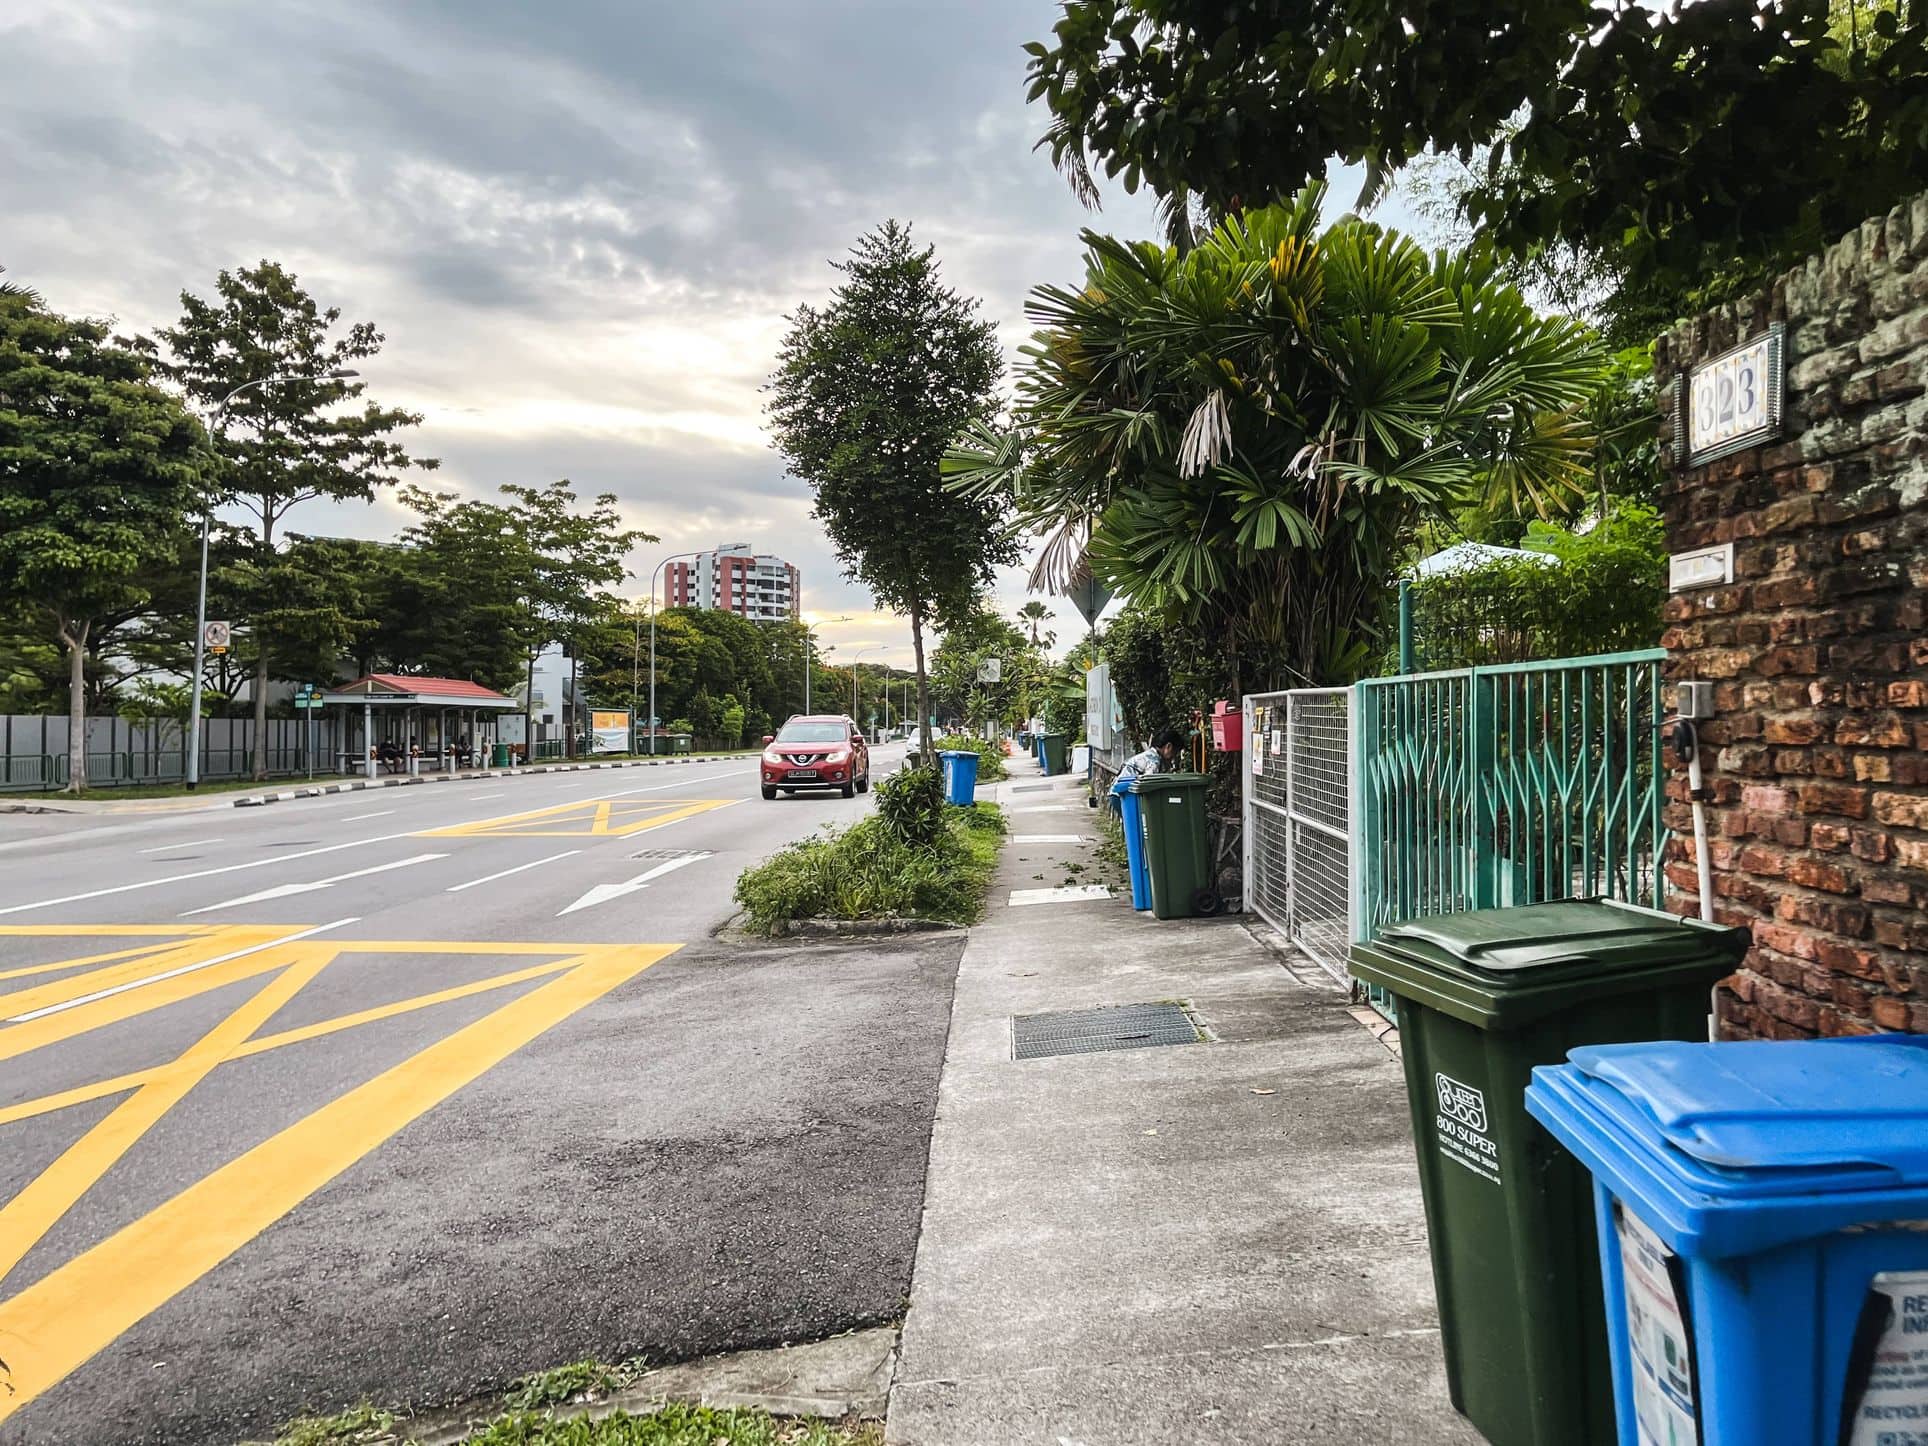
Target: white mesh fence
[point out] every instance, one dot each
(1299, 839)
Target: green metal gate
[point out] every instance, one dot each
(1507, 785)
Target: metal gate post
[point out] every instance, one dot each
(1291, 826)
(1248, 809)
(1361, 859)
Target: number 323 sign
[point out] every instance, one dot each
(1732, 401)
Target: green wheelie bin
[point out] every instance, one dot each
(1053, 751)
(1483, 997)
(1178, 849)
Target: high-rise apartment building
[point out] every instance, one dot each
(756, 586)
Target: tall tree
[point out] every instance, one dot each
(289, 441)
(571, 555)
(868, 393)
(1035, 614)
(99, 468)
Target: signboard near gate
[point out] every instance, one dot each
(611, 730)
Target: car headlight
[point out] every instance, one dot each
(772, 757)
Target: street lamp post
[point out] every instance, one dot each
(673, 557)
(201, 596)
(810, 659)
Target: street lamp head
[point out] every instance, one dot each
(341, 374)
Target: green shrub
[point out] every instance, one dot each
(868, 871)
(990, 756)
(910, 805)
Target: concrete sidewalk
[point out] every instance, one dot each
(1212, 1242)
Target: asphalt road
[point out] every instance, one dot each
(398, 1094)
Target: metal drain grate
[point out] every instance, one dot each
(1088, 1031)
(661, 855)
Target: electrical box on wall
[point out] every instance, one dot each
(1694, 700)
(1703, 567)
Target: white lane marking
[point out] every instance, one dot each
(283, 891)
(193, 843)
(491, 878)
(1075, 894)
(479, 797)
(357, 818)
(603, 893)
(1030, 838)
(99, 994)
(324, 849)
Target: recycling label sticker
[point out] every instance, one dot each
(1888, 1366)
(1460, 1126)
(1659, 1345)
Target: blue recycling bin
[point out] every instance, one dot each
(1133, 820)
(1762, 1243)
(960, 776)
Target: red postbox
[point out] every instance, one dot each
(1228, 726)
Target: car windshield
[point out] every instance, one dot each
(812, 733)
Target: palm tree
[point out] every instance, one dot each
(1244, 436)
(1034, 613)
(9, 288)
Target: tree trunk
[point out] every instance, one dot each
(76, 643)
(569, 711)
(529, 712)
(923, 684)
(259, 753)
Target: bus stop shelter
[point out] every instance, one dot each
(424, 718)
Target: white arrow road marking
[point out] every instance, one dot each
(603, 893)
(99, 994)
(282, 891)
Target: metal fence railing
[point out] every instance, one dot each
(1412, 796)
(34, 756)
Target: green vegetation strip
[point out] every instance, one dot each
(674, 1424)
(915, 858)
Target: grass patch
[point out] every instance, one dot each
(172, 790)
(870, 871)
(676, 1425)
(671, 1425)
(362, 1425)
(576, 1381)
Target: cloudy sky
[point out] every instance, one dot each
(580, 223)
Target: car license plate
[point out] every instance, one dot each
(803, 773)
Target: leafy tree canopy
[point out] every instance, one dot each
(1700, 140)
(98, 469)
(1244, 436)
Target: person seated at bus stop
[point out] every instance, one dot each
(389, 755)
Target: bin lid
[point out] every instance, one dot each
(1591, 932)
(1775, 1117)
(956, 753)
(1495, 967)
(1169, 782)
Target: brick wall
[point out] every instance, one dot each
(1819, 824)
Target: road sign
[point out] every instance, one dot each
(215, 636)
(1089, 598)
(990, 670)
(308, 700)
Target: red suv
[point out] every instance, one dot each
(821, 751)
